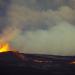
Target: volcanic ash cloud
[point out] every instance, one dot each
(58, 40)
(45, 32)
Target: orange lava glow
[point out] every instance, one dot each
(40, 61)
(73, 62)
(4, 47)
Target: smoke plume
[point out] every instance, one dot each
(41, 32)
(59, 40)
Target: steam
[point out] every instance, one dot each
(30, 34)
(59, 40)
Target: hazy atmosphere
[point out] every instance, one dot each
(39, 26)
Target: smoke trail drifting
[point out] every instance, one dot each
(42, 32)
(59, 40)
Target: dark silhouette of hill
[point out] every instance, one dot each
(12, 62)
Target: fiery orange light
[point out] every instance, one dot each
(40, 61)
(6, 37)
(73, 62)
(5, 48)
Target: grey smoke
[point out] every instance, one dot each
(43, 32)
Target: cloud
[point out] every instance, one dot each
(59, 40)
(45, 4)
(44, 32)
(71, 3)
(40, 4)
(34, 19)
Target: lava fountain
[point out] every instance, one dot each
(4, 47)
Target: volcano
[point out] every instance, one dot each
(9, 56)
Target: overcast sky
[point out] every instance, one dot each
(24, 9)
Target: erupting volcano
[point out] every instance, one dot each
(4, 47)
(9, 56)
